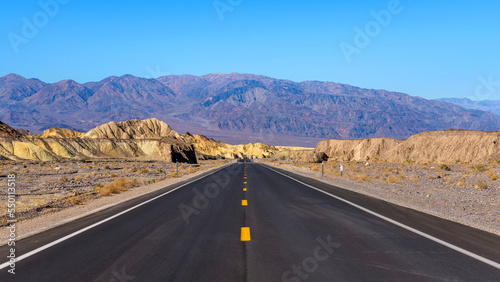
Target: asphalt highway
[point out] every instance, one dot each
(250, 222)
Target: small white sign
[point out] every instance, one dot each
(341, 168)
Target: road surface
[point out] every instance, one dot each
(251, 222)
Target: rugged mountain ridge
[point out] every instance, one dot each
(492, 106)
(236, 107)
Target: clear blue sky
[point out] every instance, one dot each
(428, 48)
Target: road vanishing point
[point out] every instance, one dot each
(253, 222)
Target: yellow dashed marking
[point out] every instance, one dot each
(244, 189)
(245, 182)
(245, 177)
(245, 233)
(244, 202)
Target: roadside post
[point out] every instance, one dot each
(322, 168)
(341, 169)
(177, 164)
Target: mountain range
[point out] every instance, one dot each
(234, 108)
(492, 106)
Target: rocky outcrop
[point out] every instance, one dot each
(132, 129)
(357, 149)
(135, 139)
(208, 148)
(61, 133)
(433, 146)
(7, 131)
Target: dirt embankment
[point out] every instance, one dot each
(427, 147)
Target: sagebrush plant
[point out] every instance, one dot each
(119, 185)
(480, 168)
(444, 167)
(392, 179)
(363, 177)
(481, 185)
(76, 200)
(63, 179)
(461, 182)
(494, 177)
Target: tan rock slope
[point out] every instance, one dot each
(209, 148)
(61, 133)
(132, 129)
(432, 146)
(147, 140)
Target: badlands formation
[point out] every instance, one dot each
(149, 139)
(432, 146)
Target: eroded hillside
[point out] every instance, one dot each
(432, 146)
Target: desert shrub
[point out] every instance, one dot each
(134, 169)
(481, 185)
(113, 175)
(173, 174)
(97, 187)
(78, 179)
(461, 182)
(106, 167)
(159, 170)
(414, 178)
(363, 177)
(27, 179)
(63, 179)
(409, 161)
(94, 173)
(115, 187)
(480, 168)
(76, 200)
(494, 177)
(144, 171)
(392, 179)
(445, 167)
(191, 170)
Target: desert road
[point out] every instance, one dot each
(251, 222)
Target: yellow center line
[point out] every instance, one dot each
(244, 202)
(245, 182)
(244, 189)
(245, 233)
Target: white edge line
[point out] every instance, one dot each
(37, 250)
(451, 246)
